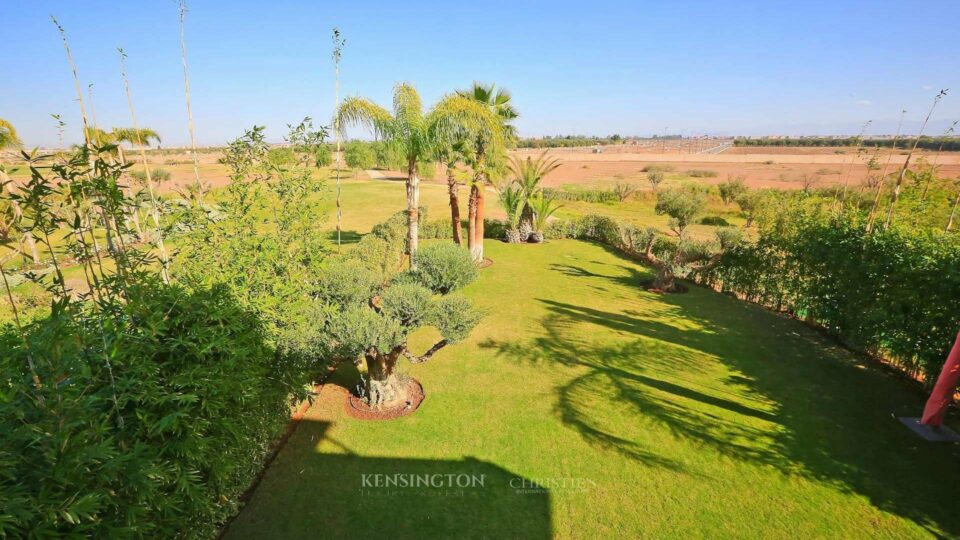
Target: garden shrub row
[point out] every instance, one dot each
(582, 195)
(891, 293)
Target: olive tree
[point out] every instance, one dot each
(680, 255)
(367, 321)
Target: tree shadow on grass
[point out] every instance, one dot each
(750, 385)
(310, 494)
(346, 237)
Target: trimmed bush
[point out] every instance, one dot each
(444, 267)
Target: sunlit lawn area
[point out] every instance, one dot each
(689, 415)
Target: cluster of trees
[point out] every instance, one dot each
(568, 141)
(118, 412)
(469, 128)
(925, 142)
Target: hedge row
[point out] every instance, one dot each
(891, 293)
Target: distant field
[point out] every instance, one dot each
(760, 166)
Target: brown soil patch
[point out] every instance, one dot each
(357, 408)
(486, 263)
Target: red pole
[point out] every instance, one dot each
(943, 391)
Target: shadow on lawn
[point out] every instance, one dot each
(791, 402)
(346, 237)
(307, 494)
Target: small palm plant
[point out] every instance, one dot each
(543, 208)
(528, 173)
(513, 200)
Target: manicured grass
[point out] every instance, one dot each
(646, 415)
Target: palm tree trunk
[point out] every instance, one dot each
(454, 206)
(478, 241)
(413, 210)
(472, 219)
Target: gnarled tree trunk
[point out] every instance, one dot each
(383, 386)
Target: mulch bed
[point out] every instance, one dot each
(487, 263)
(357, 408)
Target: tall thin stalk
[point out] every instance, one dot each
(856, 153)
(338, 43)
(883, 175)
(154, 207)
(953, 212)
(186, 87)
(107, 225)
(93, 286)
(86, 134)
(906, 162)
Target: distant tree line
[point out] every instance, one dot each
(571, 141)
(928, 143)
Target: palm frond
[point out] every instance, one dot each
(8, 134)
(136, 137)
(529, 172)
(513, 200)
(363, 112)
(543, 208)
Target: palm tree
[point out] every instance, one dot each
(406, 131)
(8, 135)
(513, 202)
(450, 155)
(455, 122)
(486, 155)
(528, 173)
(134, 137)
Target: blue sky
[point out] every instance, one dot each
(580, 67)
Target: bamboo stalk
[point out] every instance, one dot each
(154, 208)
(186, 87)
(906, 163)
(338, 44)
(883, 176)
(86, 133)
(856, 152)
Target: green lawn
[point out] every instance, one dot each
(688, 415)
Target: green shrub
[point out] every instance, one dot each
(201, 394)
(157, 175)
(409, 303)
(701, 173)
(444, 267)
(282, 157)
(347, 282)
(656, 167)
(581, 194)
(714, 220)
(359, 155)
(322, 156)
(455, 317)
